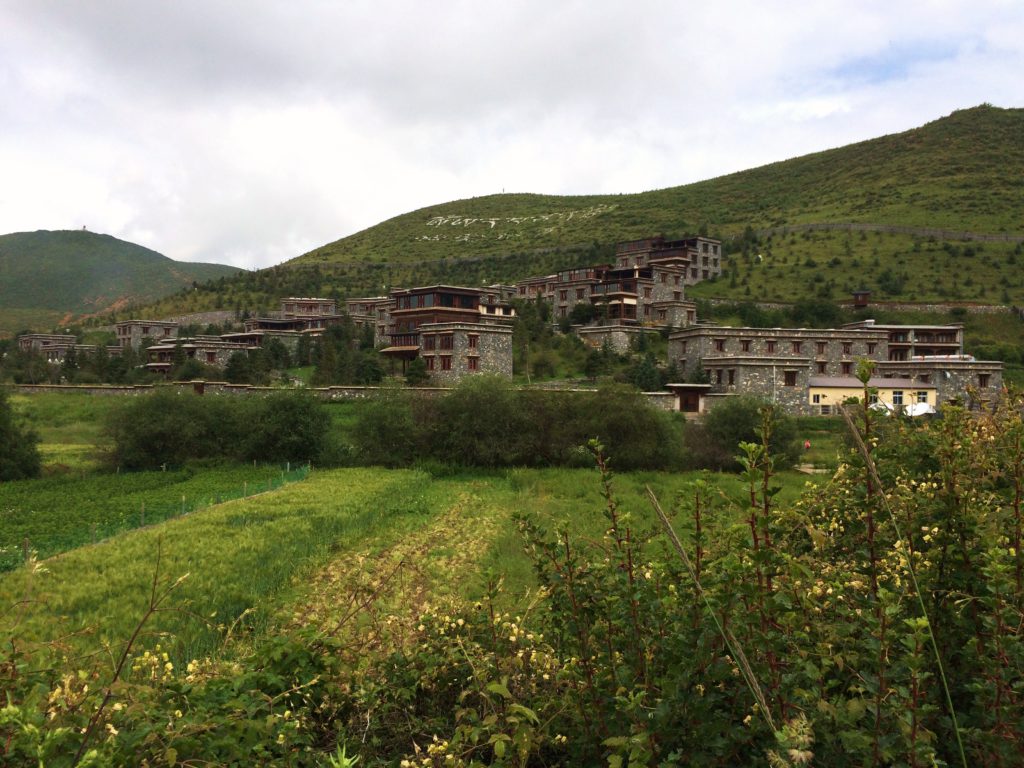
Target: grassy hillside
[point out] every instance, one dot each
(962, 172)
(47, 275)
(913, 199)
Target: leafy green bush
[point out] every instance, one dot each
(19, 449)
(170, 428)
(714, 443)
(485, 422)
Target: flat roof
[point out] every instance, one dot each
(849, 382)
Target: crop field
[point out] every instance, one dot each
(243, 553)
(57, 513)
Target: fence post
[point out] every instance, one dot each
(183, 504)
(245, 488)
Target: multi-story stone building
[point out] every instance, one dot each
(208, 350)
(456, 330)
(785, 365)
(130, 333)
(54, 347)
(906, 342)
(645, 286)
(699, 258)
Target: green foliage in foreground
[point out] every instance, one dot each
(786, 633)
(62, 512)
(19, 446)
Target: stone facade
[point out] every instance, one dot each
(452, 351)
(645, 286)
(208, 350)
(130, 333)
(778, 364)
(953, 379)
(620, 338)
(825, 352)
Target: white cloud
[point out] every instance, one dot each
(249, 132)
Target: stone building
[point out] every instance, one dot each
(130, 333)
(454, 350)
(784, 365)
(456, 330)
(52, 346)
(645, 286)
(700, 258)
(909, 341)
(208, 350)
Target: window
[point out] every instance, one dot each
(872, 398)
(822, 367)
(473, 340)
(211, 357)
(847, 369)
(718, 376)
(430, 362)
(429, 342)
(580, 293)
(797, 346)
(676, 279)
(683, 346)
(770, 345)
(745, 345)
(693, 273)
(871, 347)
(822, 347)
(924, 378)
(719, 345)
(563, 295)
(661, 314)
(664, 277)
(815, 399)
(826, 410)
(690, 315)
(561, 312)
(473, 363)
(897, 397)
(732, 377)
(983, 380)
(647, 293)
(446, 362)
(677, 296)
(789, 378)
(922, 397)
(847, 347)
(447, 342)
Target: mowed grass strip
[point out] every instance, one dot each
(236, 555)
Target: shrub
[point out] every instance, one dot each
(737, 420)
(169, 428)
(19, 446)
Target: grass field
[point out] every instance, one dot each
(258, 554)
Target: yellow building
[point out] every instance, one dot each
(913, 397)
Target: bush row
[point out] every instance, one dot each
(485, 422)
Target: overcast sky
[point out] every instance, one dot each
(250, 132)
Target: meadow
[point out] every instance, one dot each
(439, 616)
(241, 553)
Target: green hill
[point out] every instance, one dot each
(45, 276)
(897, 214)
(963, 172)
